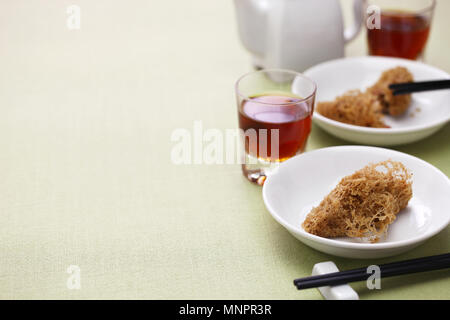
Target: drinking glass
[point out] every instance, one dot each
(404, 27)
(275, 109)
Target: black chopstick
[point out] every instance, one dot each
(411, 87)
(402, 270)
(390, 272)
(386, 265)
(387, 270)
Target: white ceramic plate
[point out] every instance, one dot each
(303, 181)
(335, 77)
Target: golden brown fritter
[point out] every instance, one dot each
(363, 204)
(355, 108)
(393, 105)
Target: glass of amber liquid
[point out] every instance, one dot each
(275, 109)
(404, 28)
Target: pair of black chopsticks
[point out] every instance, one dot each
(387, 270)
(411, 87)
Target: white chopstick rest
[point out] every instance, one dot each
(341, 292)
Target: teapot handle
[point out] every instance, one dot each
(358, 12)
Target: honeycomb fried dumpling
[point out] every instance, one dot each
(363, 204)
(354, 107)
(393, 105)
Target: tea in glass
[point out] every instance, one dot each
(404, 28)
(275, 109)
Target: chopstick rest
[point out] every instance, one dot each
(340, 292)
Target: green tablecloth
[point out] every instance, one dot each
(86, 178)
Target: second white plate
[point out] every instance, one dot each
(303, 181)
(429, 112)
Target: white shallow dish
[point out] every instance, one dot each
(429, 111)
(303, 181)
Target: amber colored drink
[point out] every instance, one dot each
(291, 117)
(401, 35)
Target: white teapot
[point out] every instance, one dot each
(295, 34)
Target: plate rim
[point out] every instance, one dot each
(352, 245)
